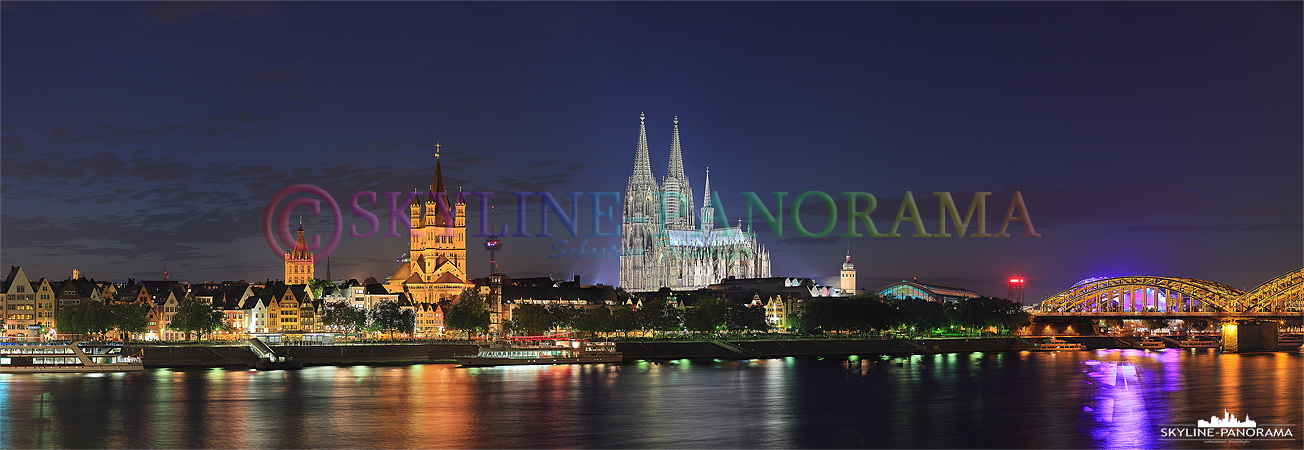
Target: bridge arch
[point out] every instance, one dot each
(1284, 294)
(1145, 293)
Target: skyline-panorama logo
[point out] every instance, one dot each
(1227, 429)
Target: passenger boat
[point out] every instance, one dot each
(540, 351)
(1290, 340)
(1150, 343)
(1198, 342)
(65, 357)
(1053, 344)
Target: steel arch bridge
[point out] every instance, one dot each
(1172, 296)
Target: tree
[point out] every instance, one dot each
(740, 317)
(343, 316)
(318, 285)
(129, 318)
(656, 315)
(470, 313)
(87, 318)
(707, 316)
(531, 320)
(195, 316)
(624, 319)
(390, 317)
(595, 320)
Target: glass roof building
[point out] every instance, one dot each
(933, 292)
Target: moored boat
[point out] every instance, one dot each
(65, 357)
(542, 351)
(1053, 344)
(1290, 340)
(1198, 342)
(1150, 343)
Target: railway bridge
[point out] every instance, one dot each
(1249, 319)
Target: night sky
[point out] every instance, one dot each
(1146, 138)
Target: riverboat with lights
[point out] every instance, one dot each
(1290, 340)
(1198, 342)
(65, 357)
(1149, 343)
(1055, 344)
(532, 351)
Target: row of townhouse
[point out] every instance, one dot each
(30, 308)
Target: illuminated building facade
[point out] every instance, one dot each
(930, 292)
(1015, 291)
(435, 269)
(299, 268)
(661, 244)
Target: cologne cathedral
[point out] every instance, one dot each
(661, 242)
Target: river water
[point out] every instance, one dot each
(959, 400)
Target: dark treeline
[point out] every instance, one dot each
(708, 315)
(868, 313)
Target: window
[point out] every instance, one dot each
(22, 288)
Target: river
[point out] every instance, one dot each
(958, 400)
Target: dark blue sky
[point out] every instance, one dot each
(1146, 138)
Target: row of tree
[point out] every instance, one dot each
(866, 313)
(386, 317)
(96, 319)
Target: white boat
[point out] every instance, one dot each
(65, 357)
(540, 351)
(1290, 340)
(1150, 343)
(1053, 344)
(1198, 342)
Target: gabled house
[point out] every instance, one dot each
(19, 306)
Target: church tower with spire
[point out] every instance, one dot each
(678, 193)
(847, 283)
(435, 269)
(299, 268)
(638, 265)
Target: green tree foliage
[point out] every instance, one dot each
(564, 317)
(318, 285)
(129, 318)
(657, 315)
(706, 316)
(531, 320)
(983, 312)
(90, 318)
(595, 320)
(344, 317)
(96, 319)
(390, 317)
(740, 317)
(469, 314)
(195, 316)
(624, 319)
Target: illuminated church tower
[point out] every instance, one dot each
(298, 262)
(436, 267)
(848, 281)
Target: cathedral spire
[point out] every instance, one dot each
(679, 206)
(708, 213)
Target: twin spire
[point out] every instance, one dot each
(644, 194)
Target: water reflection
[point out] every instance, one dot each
(1101, 399)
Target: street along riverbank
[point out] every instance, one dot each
(181, 356)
